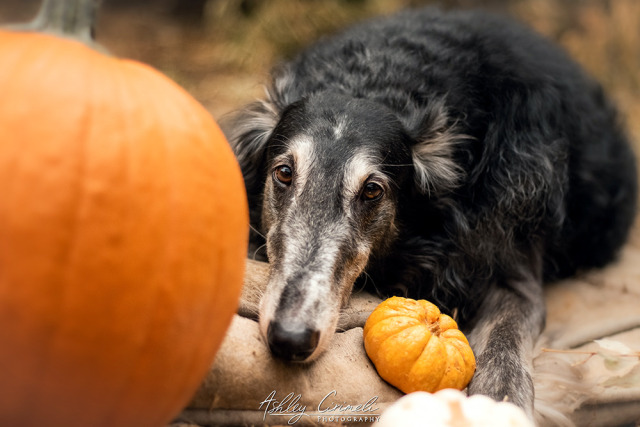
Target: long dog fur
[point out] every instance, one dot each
(502, 165)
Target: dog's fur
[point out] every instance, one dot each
(456, 157)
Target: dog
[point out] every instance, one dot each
(453, 156)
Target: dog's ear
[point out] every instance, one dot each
(434, 162)
(248, 132)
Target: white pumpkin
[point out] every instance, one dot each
(452, 408)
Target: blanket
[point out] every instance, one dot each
(586, 364)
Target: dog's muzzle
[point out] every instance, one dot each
(292, 342)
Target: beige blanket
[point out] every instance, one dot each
(577, 379)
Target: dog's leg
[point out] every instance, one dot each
(509, 321)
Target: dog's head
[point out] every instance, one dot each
(327, 173)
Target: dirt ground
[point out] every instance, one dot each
(221, 50)
(152, 34)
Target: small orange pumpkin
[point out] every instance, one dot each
(123, 229)
(414, 347)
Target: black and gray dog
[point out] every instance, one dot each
(457, 157)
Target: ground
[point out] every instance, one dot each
(221, 50)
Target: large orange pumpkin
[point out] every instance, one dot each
(414, 347)
(123, 227)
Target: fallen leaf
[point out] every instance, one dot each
(628, 380)
(615, 355)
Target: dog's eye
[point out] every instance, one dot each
(372, 191)
(283, 174)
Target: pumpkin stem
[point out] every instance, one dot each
(74, 18)
(70, 18)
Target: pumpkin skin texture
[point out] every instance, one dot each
(123, 232)
(415, 347)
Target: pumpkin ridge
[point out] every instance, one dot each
(453, 365)
(384, 347)
(461, 345)
(126, 186)
(405, 328)
(188, 367)
(152, 303)
(173, 194)
(121, 180)
(17, 167)
(170, 194)
(70, 256)
(436, 368)
(394, 321)
(67, 259)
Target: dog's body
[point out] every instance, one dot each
(456, 157)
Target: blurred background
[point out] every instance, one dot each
(221, 50)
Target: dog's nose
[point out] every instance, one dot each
(290, 342)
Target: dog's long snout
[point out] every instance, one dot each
(292, 342)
